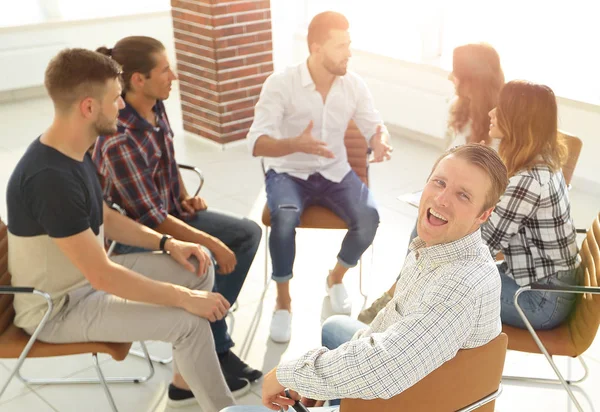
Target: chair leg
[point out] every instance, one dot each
(102, 380)
(61, 381)
(141, 354)
(553, 381)
(266, 280)
(16, 370)
(253, 324)
(253, 327)
(478, 404)
(542, 348)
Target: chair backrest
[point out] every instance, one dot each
(585, 319)
(470, 376)
(574, 145)
(357, 150)
(7, 312)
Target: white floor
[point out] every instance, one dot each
(234, 183)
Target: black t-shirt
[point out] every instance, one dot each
(52, 194)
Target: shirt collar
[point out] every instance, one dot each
(129, 118)
(448, 252)
(305, 77)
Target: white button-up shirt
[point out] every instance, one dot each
(289, 101)
(447, 298)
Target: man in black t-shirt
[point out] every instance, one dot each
(57, 221)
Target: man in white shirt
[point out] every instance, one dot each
(447, 297)
(299, 126)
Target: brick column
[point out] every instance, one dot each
(224, 54)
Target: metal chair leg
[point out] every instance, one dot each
(551, 381)
(141, 354)
(253, 325)
(476, 405)
(102, 380)
(542, 348)
(30, 342)
(68, 381)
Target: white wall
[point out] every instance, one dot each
(26, 50)
(411, 96)
(416, 97)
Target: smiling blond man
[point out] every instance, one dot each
(447, 297)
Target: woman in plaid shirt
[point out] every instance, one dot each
(532, 224)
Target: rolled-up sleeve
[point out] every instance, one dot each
(268, 111)
(129, 175)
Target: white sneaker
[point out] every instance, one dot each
(338, 296)
(281, 326)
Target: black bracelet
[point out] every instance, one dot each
(163, 240)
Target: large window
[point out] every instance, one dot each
(25, 12)
(550, 42)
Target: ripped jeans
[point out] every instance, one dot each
(288, 196)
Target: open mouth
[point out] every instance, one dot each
(435, 218)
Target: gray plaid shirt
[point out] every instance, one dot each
(532, 226)
(447, 298)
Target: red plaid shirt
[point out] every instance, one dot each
(137, 167)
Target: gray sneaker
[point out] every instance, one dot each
(367, 315)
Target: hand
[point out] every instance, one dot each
(381, 150)
(309, 403)
(306, 143)
(183, 251)
(273, 395)
(208, 305)
(225, 258)
(193, 204)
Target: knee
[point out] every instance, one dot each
(197, 327)
(204, 281)
(253, 231)
(368, 222)
(285, 218)
(329, 328)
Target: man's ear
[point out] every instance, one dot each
(485, 215)
(86, 107)
(137, 80)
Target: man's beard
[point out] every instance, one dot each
(338, 70)
(104, 126)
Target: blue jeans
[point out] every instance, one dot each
(545, 310)
(338, 330)
(242, 236)
(288, 196)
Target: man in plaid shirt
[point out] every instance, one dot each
(447, 298)
(138, 172)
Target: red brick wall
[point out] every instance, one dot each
(224, 54)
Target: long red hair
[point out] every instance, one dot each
(480, 78)
(527, 117)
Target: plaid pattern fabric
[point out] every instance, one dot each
(532, 226)
(447, 298)
(137, 167)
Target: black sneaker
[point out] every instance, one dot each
(231, 365)
(179, 398)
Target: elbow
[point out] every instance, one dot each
(99, 277)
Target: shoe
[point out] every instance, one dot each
(281, 326)
(338, 296)
(367, 315)
(232, 365)
(180, 398)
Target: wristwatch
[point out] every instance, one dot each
(163, 241)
